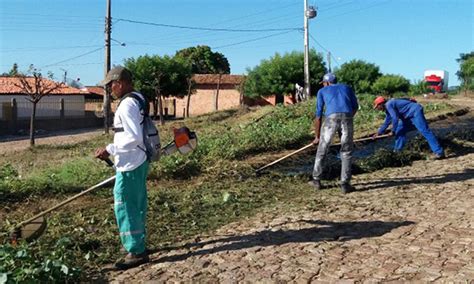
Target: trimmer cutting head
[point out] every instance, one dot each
(30, 231)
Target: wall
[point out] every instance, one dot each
(22, 126)
(48, 107)
(203, 101)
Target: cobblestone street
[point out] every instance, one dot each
(413, 223)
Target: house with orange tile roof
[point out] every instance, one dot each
(49, 106)
(63, 108)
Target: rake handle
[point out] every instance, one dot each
(309, 145)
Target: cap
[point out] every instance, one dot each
(117, 73)
(329, 77)
(379, 100)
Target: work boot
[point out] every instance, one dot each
(315, 183)
(347, 187)
(132, 260)
(124, 251)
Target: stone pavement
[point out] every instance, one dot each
(404, 224)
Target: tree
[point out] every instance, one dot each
(158, 77)
(204, 61)
(390, 84)
(35, 87)
(278, 75)
(466, 70)
(191, 90)
(359, 74)
(13, 72)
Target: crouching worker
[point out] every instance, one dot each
(130, 194)
(405, 115)
(340, 105)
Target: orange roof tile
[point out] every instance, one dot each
(8, 86)
(97, 90)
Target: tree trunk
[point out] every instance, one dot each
(32, 125)
(155, 107)
(216, 102)
(241, 96)
(160, 108)
(188, 101)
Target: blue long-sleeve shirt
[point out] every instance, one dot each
(396, 109)
(336, 98)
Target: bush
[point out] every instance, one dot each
(33, 264)
(359, 74)
(390, 84)
(278, 75)
(419, 88)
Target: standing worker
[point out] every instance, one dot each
(340, 105)
(405, 115)
(130, 195)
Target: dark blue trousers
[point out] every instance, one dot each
(418, 121)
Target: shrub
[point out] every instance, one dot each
(33, 264)
(390, 84)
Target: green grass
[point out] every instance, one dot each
(188, 195)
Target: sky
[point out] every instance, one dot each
(403, 37)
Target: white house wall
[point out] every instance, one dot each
(48, 107)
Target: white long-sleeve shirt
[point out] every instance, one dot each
(125, 149)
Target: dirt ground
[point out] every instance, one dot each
(413, 223)
(58, 138)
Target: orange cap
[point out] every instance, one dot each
(379, 100)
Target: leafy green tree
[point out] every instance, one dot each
(466, 70)
(204, 61)
(359, 74)
(278, 75)
(13, 72)
(390, 84)
(157, 77)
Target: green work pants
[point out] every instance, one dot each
(130, 206)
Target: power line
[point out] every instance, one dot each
(251, 40)
(325, 49)
(72, 58)
(357, 10)
(47, 48)
(207, 29)
(173, 36)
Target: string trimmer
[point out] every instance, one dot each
(184, 142)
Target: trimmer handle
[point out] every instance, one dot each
(109, 162)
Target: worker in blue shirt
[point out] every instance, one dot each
(339, 104)
(405, 115)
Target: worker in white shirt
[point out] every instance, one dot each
(130, 194)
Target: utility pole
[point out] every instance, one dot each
(308, 14)
(329, 61)
(108, 29)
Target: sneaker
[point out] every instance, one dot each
(132, 260)
(315, 183)
(439, 156)
(346, 188)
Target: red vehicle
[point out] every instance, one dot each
(437, 80)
